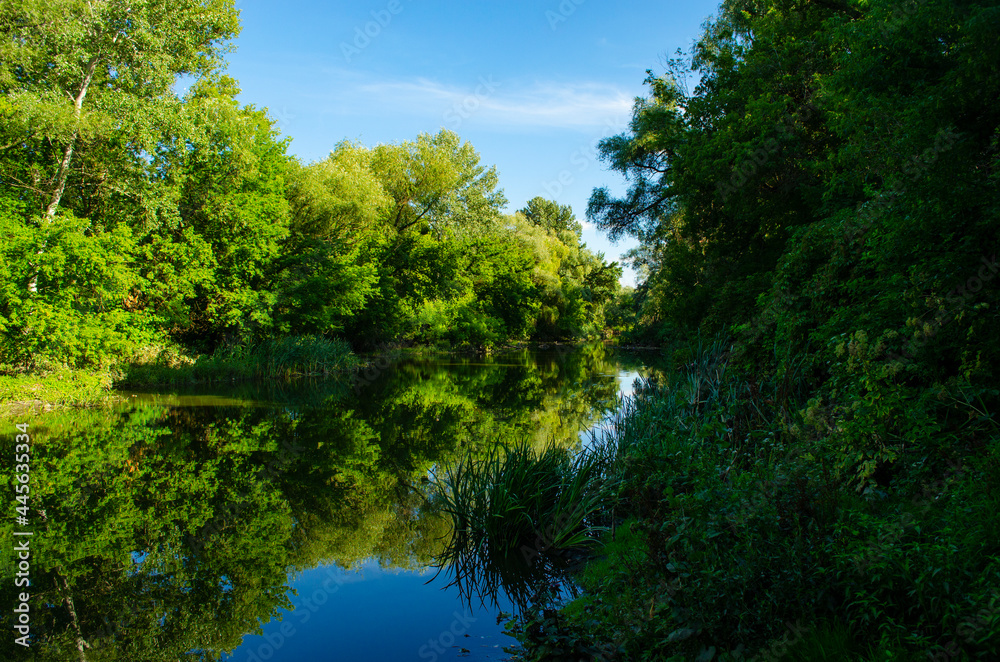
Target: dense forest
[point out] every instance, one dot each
(145, 225)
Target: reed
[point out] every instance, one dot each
(519, 517)
(274, 358)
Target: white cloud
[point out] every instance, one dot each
(487, 101)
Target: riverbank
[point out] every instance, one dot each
(56, 388)
(742, 532)
(283, 358)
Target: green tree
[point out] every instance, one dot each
(550, 215)
(93, 79)
(439, 198)
(573, 283)
(720, 176)
(323, 276)
(230, 175)
(89, 113)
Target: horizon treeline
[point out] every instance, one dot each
(136, 220)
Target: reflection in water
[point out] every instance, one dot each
(171, 526)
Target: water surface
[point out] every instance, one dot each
(284, 521)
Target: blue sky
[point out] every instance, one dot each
(533, 85)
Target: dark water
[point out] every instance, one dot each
(281, 522)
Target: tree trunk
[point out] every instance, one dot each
(63, 173)
(81, 643)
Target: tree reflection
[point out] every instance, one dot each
(171, 526)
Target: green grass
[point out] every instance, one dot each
(54, 387)
(519, 515)
(280, 358)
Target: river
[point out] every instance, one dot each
(285, 521)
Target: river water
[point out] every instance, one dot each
(284, 521)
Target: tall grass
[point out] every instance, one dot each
(519, 516)
(275, 358)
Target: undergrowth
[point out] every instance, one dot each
(750, 536)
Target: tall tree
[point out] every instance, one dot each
(722, 175)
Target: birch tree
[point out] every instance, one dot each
(88, 92)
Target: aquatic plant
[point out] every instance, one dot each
(520, 517)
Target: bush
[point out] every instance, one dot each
(747, 538)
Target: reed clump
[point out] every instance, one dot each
(521, 516)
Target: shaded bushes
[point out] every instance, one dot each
(744, 526)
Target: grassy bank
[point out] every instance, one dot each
(280, 358)
(749, 534)
(53, 387)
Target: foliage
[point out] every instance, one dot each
(746, 539)
(826, 194)
(135, 217)
(574, 285)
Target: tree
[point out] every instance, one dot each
(439, 197)
(550, 215)
(723, 175)
(94, 78)
(230, 180)
(89, 117)
(573, 283)
(323, 277)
